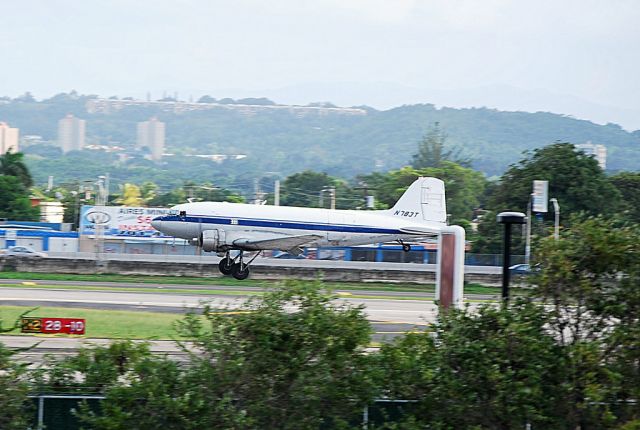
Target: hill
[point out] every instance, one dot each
(285, 139)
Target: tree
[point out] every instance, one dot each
(432, 152)
(148, 191)
(575, 179)
(15, 406)
(492, 368)
(15, 203)
(93, 369)
(306, 189)
(628, 184)
(292, 359)
(286, 369)
(206, 99)
(463, 187)
(25, 98)
(590, 281)
(12, 164)
(14, 403)
(130, 195)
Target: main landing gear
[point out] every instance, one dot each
(235, 267)
(405, 246)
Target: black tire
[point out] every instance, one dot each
(239, 274)
(225, 266)
(406, 247)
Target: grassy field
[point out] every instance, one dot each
(104, 324)
(225, 281)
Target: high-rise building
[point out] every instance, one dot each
(8, 138)
(151, 135)
(71, 132)
(599, 152)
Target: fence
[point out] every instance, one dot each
(55, 411)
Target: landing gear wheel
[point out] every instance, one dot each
(240, 271)
(406, 247)
(226, 266)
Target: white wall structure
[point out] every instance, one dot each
(71, 133)
(51, 212)
(599, 152)
(151, 135)
(8, 138)
(450, 267)
(63, 244)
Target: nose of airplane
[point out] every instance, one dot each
(157, 223)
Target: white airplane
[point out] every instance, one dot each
(222, 227)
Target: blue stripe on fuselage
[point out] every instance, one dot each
(294, 225)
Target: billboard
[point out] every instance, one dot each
(121, 221)
(540, 198)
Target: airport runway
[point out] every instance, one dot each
(382, 309)
(389, 313)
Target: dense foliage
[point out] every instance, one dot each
(464, 187)
(575, 179)
(15, 181)
(565, 357)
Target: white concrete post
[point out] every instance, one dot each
(450, 267)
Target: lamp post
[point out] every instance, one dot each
(556, 210)
(508, 218)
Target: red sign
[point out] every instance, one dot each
(53, 325)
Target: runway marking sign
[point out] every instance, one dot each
(53, 325)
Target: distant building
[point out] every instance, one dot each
(599, 152)
(71, 131)
(51, 212)
(151, 135)
(8, 138)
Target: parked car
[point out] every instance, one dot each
(287, 256)
(521, 269)
(23, 252)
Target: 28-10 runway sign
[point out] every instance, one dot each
(53, 325)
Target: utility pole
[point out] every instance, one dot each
(332, 194)
(333, 197)
(527, 246)
(556, 210)
(276, 193)
(99, 231)
(369, 200)
(507, 219)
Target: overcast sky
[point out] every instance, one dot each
(579, 58)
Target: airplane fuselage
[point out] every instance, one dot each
(333, 227)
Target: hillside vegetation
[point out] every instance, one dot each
(284, 142)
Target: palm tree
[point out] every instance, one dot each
(12, 164)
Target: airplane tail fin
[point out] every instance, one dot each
(424, 200)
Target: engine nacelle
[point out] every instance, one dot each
(212, 240)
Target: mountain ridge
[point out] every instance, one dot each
(284, 142)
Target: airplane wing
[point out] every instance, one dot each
(420, 231)
(276, 241)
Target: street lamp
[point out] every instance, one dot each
(508, 218)
(556, 210)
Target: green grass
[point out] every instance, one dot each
(104, 323)
(217, 292)
(225, 281)
(161, 290)
(143, 279)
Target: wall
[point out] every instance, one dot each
(270, 271)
